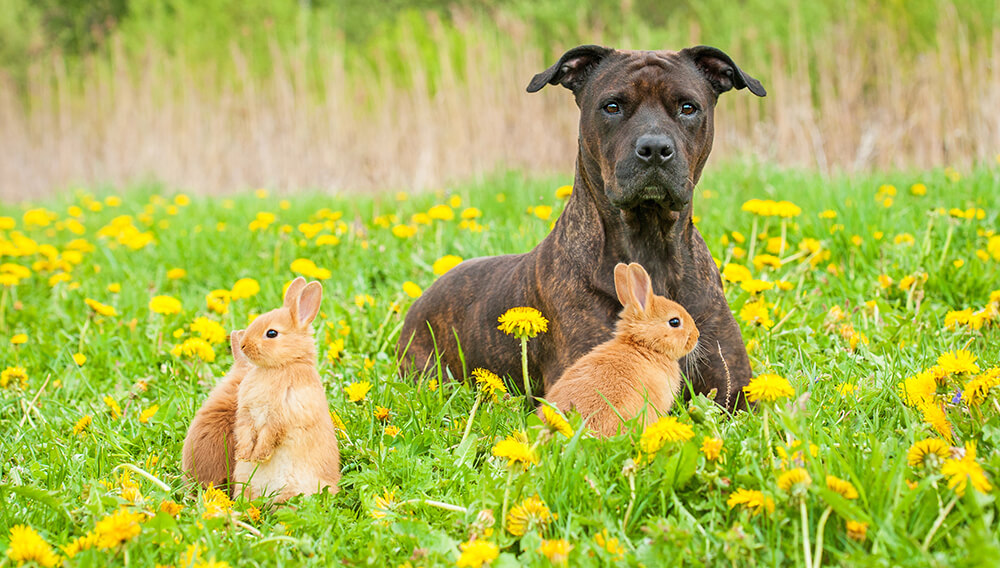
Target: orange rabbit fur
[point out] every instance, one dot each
(209, 446)
(636, 371)
(285, 440)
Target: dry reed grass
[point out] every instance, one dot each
(843, 102)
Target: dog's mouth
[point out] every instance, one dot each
(652, 197)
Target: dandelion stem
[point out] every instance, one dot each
(631, 502)
(819, 537)
(472, 416)
(784, 231)
(947, 244)
(438, 504)
(767, 432)
(753, 239)
(524, 371)
(3, 310)
(938, 522)
(805, 532)
(506, 495)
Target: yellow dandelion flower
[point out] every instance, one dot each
(666, 429)
(118, 527)
(930, 452)
(857, 530)
(116, 410)
(736, 273)
(477, 553)
(543, 212)
(489, 383)
(209, 330)
(441, 212)
(213, 563)
(381, 413)
(528, 515)
(392, 430)
(26, 545)
(14, 376)
(612, 545)
(171, 508)
(557, 551)
(768, 387)
(523, 322)
(384, 504)
(194, 348)
(965, 471)
(338, 422)
(100, 309)
(919, 389)
(80, 543)
(79, 359)
(935, 416)
(556, 422)
(564, 191)
(906, 282)
(446, 263)
(148, 413)
(356, 392)
(244, 288)
(218, 301)
(165, 305)
(752, 500)
(846, 389)
(978, 388)
(308, 268)
(515, 452)
(958, 362)
(217, 503)
(756, 313)
(794, 479)
(411, 289)
(19, 339)
(754, 286)
(842, 486)
(82, 424)
(404, 231)
(711, 447)
(769, 260)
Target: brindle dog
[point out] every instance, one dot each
(646, 126)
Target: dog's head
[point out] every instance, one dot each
(646, 117)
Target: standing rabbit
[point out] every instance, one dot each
(209, 446)
(285, 440)
(636, 371)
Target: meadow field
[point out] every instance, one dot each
(875, 296)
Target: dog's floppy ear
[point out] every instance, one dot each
(720, 70)
(572, 68)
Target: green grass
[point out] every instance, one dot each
(63, 484)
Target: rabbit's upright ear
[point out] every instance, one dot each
(640, 286)
(235, 339)
(294, 290)
(621, 283)
(307, 307)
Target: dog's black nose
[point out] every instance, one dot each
(654, 148)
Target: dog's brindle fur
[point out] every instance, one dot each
(646, 126)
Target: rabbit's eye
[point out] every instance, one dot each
(271, 333)
(675, 322)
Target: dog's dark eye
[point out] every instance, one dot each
(688, 109)
(612, 108)
(675, 322)
(271, 333)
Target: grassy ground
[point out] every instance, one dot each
(845, 326)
